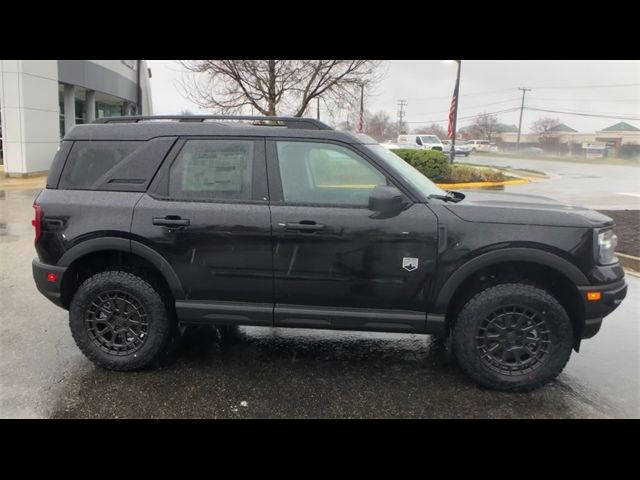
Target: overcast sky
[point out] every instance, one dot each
(585, 87)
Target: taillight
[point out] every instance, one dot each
(37, 221)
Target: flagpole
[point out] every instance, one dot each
(456, 94)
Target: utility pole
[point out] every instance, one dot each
(361, 119)
(524, 91)
(401, 105)
(318, 108)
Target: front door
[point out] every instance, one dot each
(336, 263)
(207, 214)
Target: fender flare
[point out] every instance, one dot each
(495, 257)
(129, 246)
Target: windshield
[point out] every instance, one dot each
(408, 173)
(429, 139)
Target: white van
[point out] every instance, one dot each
(427, 142)
(479, 146)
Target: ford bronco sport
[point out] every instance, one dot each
(151, 224)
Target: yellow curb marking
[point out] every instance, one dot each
(482, 184)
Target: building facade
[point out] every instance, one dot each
(563, 139)
(41, 100)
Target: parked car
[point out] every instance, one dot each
(427, 142)
(389, 146)
(532, 151)
(461, 148)
(479, 146)
(146, 227)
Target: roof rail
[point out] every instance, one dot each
(289, 122)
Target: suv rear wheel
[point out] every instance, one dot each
(513, 336)
(119, 321)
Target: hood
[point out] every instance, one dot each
(519, 209)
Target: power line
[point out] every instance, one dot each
(588, 99)
(614, 116)
(587, 113)
(470, 106)
(467, 117)
(619, 85)
(463, 95)
(489, 92)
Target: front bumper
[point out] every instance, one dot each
(611, 295)
(50, 289)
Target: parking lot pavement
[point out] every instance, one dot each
(594, 185)
(279, 373)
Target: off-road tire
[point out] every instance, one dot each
(480, 306)
(157, 316)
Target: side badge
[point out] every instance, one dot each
(409, 264)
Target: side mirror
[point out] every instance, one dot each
(386, 199)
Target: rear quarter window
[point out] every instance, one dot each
(88, 161)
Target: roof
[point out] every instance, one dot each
(561, 127)
(502, 128)
(146, 130)
(621, 127)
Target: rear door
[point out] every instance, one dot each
(207, 214)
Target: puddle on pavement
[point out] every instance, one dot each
(282, 373)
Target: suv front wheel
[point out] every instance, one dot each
(513, 337)
(119, 321)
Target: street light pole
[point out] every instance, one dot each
(453, 110)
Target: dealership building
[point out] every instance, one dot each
(41, 100)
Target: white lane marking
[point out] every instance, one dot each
(628, 193)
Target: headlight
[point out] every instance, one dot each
(607, 241)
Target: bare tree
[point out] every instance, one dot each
(470, 132)
(548, 141)
(433, 129)
(381, 126)
(541, 125)
(186, 112)
(485, 124)
(273, 87)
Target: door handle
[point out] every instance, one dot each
(171, 221)
(304, 226)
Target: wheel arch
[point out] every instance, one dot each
(107, 247)
(511, 255)
(545, 270)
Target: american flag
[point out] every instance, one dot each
(452, 112)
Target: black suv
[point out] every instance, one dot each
(150, 224)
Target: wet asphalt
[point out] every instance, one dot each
(591, 185)
(253, 372)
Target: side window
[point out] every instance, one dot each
(320, 173)
(418, 140)
(89, 160)
(213, 170)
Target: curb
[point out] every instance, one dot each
(520, 181)
(30, 183)
(629, 261)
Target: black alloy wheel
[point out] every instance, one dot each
(513, 340)
(117, 322)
